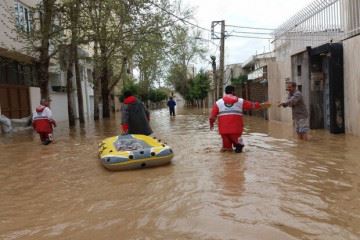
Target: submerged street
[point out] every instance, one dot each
(278, 188)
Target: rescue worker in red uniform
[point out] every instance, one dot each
(229, 111)
(43, 121)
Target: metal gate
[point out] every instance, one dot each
(327, 95)
(14, 101)
(325, 68)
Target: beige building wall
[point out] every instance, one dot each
(277, 80)
(34, 98)
(352, 85)
(274, 92)
(59, 106)
(58, 103)
(232, 70)
(10, 45)
(278, 72)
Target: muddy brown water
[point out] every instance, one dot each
(278, 188)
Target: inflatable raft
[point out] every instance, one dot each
(133, 151)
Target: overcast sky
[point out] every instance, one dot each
(251, 13)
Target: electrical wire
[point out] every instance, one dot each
(281, 39)
(208, 30)
(229, 25)
(253, 37)
(247, 27)
(180, 18)
(207, 40)
(259, 33)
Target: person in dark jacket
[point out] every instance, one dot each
(171, 104)
(134, 116)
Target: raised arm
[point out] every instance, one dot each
(248, 105)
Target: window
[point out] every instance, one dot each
(23, 17)
(299, 88)
(16, 73)
(3, 73)
(299, 70)
(12, 73)
(28, 77)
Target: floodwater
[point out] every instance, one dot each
(278, 188)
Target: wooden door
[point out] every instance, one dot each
(15, 101)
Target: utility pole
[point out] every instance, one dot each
(222, 49)
(216, 90)
(215, 35)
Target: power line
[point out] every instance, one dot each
(281, 39)
(301, 39)
(259, 33)
(208, 30)
(247, 27)
(207, 40)
(234, 26)
(180, 18)
(242, 36)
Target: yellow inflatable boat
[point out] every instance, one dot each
(133, 151)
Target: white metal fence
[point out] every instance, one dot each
(320, 22)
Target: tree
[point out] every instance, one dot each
(148, 58)
(157, 95)
(39, 38)
(151, 52)
(201, 86)
(72, 19)
(240, 80)
(165, 47)
(177, 76)
(121, 33)
(115, 29)
(198, 88)
(45, 38)
(185, 49)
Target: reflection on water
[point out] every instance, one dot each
(278, 188)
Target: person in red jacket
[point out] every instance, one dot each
(229, 111)
(43, 121)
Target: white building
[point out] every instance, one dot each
(19, 91)
(319, 49)
(232, 71)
